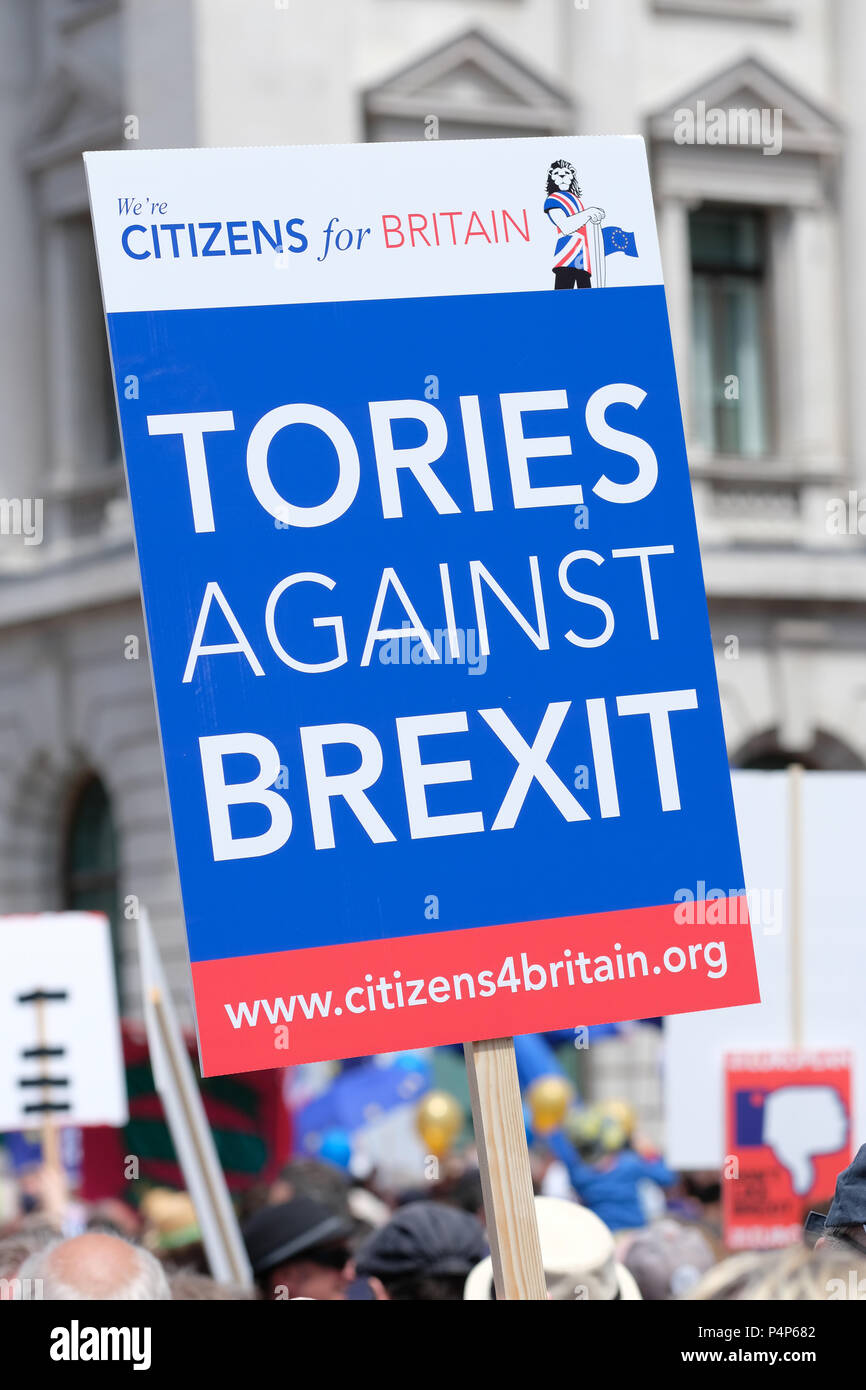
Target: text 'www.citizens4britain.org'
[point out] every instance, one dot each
(571, 972)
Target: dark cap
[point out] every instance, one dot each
(849, 1204)
(423, 1238)
(276, 1234)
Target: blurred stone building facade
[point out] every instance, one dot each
(761, 236)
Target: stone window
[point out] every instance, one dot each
(731, 342)
(90, 881)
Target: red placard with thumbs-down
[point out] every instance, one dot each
(788, 1135)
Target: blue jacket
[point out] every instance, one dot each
(612, 1192)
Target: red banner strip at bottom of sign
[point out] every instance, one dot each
(366, 997)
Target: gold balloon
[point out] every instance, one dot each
(549, 1098)
(439, 1119)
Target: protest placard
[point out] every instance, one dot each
(423, 590)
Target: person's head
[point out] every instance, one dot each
(96, 1266)
(423, 1253)
(15, 1249)
(795, 1274)
(171, 1228)
(466, 1192)
(845, 1226)
(188, 1286)
(667, 1259)
(311, 1177)
(726, 1280)
(704, 1186)
(841, 1240)
(114, 1216)
(578, 1255)
(299, 1249)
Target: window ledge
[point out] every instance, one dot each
(758, 12)
(84, 12)
(71, 576)
(765, 468)
(95, 483)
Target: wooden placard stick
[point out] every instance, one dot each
(183, 1082)
(795, 908)
(503, 1160)
(55, 1193)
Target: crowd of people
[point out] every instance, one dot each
(318, 1233)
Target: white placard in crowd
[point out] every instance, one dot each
(832, 954)
(61, 1057)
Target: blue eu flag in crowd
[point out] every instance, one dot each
(615, 239)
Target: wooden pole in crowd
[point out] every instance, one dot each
(503, 1161)
(55, 1194)
(795, 904)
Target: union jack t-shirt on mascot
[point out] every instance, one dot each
(578, 260)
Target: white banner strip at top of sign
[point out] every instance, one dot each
(315, 223)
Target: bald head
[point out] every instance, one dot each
(96, 1267)
(96, 1264)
